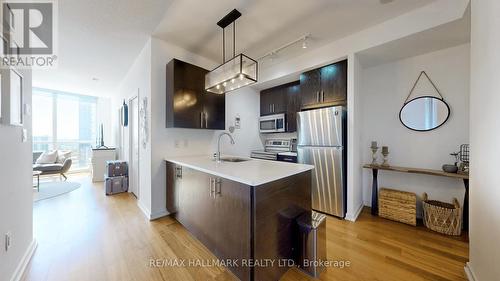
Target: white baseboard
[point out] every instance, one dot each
(354, 217)
(144, 209)
(159, 214)
(469, 272)
(21, 267)
(149, 215)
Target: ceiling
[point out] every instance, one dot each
(101, 38)
(444, 36)
(266, 25)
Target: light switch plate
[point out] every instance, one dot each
(27, 109)
(8, 241)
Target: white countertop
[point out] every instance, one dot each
(253, 172)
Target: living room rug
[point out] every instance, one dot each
(53, 189)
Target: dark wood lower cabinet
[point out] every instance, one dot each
(240, 222)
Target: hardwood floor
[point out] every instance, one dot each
(85, 235)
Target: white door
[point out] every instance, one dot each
(134, 146)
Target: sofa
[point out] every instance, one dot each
(52, 168)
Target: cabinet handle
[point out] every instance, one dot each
(178, 172)
(317, 96)
(273, 108)
(206, 120)
(210, 185)
(322, 96)
(217, 187)
(201, 119)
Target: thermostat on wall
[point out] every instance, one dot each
(237, 121)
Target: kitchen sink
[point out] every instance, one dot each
(233, 159)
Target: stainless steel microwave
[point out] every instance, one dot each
(272, 123)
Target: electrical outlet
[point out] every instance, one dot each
(8, 240)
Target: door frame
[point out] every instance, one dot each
(130, 146)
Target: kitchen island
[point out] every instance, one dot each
(242, 210)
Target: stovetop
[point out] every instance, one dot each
(273, 147)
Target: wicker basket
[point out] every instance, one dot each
(398, 206)
(442, 217)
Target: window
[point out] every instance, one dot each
(65, 122)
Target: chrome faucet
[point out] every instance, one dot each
(217, 157)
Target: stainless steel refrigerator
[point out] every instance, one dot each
(322, 135)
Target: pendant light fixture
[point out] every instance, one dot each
(237, 72)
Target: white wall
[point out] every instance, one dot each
(136, 82)
(16, 195)
(485, 140)
(244, 102)
(354, 119)
(384, 90)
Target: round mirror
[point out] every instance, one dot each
(424, 113)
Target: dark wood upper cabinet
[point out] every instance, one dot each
(273, 101)
(324, 86)
(282, 99)
(334, 82)
(293, 105)
(188, 104)
(310, 87)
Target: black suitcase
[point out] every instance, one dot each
(116, 168)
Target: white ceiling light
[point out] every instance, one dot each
(239, 71)
(274, 53)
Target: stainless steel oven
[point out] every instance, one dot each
(272, 123)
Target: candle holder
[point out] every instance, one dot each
(386, 162)
(374, 155)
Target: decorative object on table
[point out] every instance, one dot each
(464, 159)
(124, 114)
(100, 142)
(442, 217)
(425, 112)
(398, 206)
(449, 168)
(385, 153)
(374, 149)
(143, 115)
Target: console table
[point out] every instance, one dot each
(463, 177)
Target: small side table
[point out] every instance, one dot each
(376, 168)
(37, 175)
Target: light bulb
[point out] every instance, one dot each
(224, 84)
(218, 86)
(241, 76)
(304, 43)
(232, 80)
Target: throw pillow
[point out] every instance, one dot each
(62, 156)
(48, 157)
